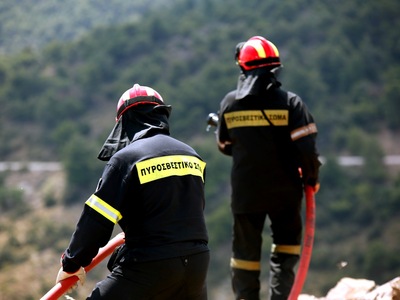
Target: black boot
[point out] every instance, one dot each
(281, 275)
(246, 284)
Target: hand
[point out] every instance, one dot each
(81, 274)
(316, 187)
(225, 147)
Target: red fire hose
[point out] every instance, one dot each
(307, 246)
(61, 287)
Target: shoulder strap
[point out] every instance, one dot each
(266, 118)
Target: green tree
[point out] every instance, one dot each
(82, 168)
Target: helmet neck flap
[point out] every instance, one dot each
(256, 81)
(141, 112)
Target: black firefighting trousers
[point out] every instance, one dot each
(181, 278)
(286, 227)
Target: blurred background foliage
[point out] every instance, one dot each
(64, 65)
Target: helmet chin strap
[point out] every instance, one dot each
(277, 71)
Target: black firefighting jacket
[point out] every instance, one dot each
(272, 135)
(154, 189)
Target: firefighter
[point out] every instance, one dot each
(270, 134)
(153, 187)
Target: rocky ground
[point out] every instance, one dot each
(361, 289)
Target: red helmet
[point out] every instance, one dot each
(138, 95)
(258, 52)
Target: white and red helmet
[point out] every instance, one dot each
(257, 52)
(137, 95)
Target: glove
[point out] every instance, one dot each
(81, 274)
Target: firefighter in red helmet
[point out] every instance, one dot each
(270, 134)
(152, 187)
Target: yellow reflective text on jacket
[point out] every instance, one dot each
(171, 165)
(247, 118)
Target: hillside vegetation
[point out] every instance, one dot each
(60, 79)
(33, 24)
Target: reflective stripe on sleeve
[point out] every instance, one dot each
(289, 249)
(103, 208)
(303, 131)
(245, 264)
